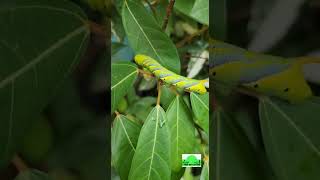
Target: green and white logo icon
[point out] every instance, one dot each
(191, 160)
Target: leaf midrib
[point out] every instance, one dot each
(42, 56)
(295, 126)
(126, 77)
(126, 133)
(144, 34)
(207, 108)
(154, 143)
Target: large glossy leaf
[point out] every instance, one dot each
(36, 54)
(32, 174)
(196, 9)
(200, 108)
(232, 151)
(200, 11)
(182, 131)
(124, 139)
(123, 75)
(291, 136)
(146, 37)
(152, 157)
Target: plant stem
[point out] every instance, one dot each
(19, 163)
(159, 92)
(169, 11)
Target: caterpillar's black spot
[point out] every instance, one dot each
(286, 90)
(256, 86)
(214, 73)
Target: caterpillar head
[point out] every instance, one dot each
(140, 59)
(199, 88)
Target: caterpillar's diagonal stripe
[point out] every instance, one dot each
(169, 77)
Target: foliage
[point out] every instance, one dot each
(257, 136)
(173, 122)
(46, 120)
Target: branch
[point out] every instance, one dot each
(19, 163)
(169, 11)
(159, 92)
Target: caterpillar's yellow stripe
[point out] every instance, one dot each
(169, 77)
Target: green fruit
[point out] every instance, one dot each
(123, 105)
(37, 141)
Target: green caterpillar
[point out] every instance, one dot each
(169, 77)
(270, 75)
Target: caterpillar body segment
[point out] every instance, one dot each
(169, 77)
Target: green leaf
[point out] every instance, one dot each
(205, 171)
(167, 96)
(36, 56)
(196, 9)
(200, 108)
(146, 37)
(121, 52)
(185, 6)
(142, 107)
(123, 75)
(32, 174)
(152, 157)
(291, 136)
(124, 139)
(231, 151)
(182, 132)
(200, 11)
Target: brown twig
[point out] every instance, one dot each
(19, 163)
(169, 11)
(189, 38)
